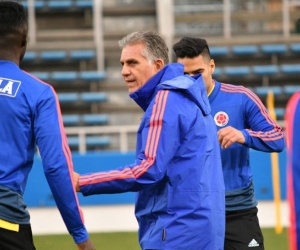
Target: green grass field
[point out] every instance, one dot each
(128, 241)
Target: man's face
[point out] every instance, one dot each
(199, 65)
(136, 69)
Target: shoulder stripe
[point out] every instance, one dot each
(150, 148)
(251, 95)
(275, 133)
(38, 79)
(289, 117)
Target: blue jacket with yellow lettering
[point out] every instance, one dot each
(29, 116)
(177, 173)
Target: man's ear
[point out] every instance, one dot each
(24, 41)
(212, 66)
(159, 64)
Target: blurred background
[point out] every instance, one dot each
(73, 45)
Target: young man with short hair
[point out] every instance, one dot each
(242, 122)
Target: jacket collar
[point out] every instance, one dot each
(144, 95)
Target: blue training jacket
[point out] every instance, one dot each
(240, 108)
(177, 174)
(29, 116)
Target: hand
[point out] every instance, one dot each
(86, 245)
(229, 135)
(76, 181)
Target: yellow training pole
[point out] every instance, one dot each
(275, 170)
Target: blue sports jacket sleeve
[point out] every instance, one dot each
(57, 162)
(150, 162)
(264, 133)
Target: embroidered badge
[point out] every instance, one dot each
(221, 119)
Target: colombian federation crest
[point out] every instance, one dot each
(221, 119)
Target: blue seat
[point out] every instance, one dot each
(68, 97)
(64, 75)
(84, 4)
(279, 112)
(82, 54)
(71, 119)
(37, 4)
(97, 141)
(62, 4)
(91, 75)
(274, 48)
(30, 56)
(290, 68)
(53, 55)
(44, 76)
(263, 90)
(265, 69)
(244, 49)
(291, 89)
(237, 71)
(93, 97)
(217, 72)
(218, 51)
(94, 119)
(73, 141)
(295, 47)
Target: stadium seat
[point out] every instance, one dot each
(295, 47)
(291, 89)
(37, 4)
(237, 71)
(244, 49)
(71, 75)
(274, 48)
(218, 51)
(64, 75)
(84, 4)
(44, 76)
(290, 68)
(94, 119)
(82, 54)
(68, 97)
(218, 71)
(53, 55)
(62, 4)
(71, 119)
(73, 141)
(91, 75)
(93, 97)
(97, 141)
(30, 56)
(263, 91)
(265, 69)
(279, 112)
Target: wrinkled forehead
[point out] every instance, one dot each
(132, 52)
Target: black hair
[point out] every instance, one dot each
(13, 17)
(191, 47)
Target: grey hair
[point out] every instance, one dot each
(155, 45)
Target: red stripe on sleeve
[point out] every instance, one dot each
(150, 148)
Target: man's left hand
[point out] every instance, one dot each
(229, 135)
